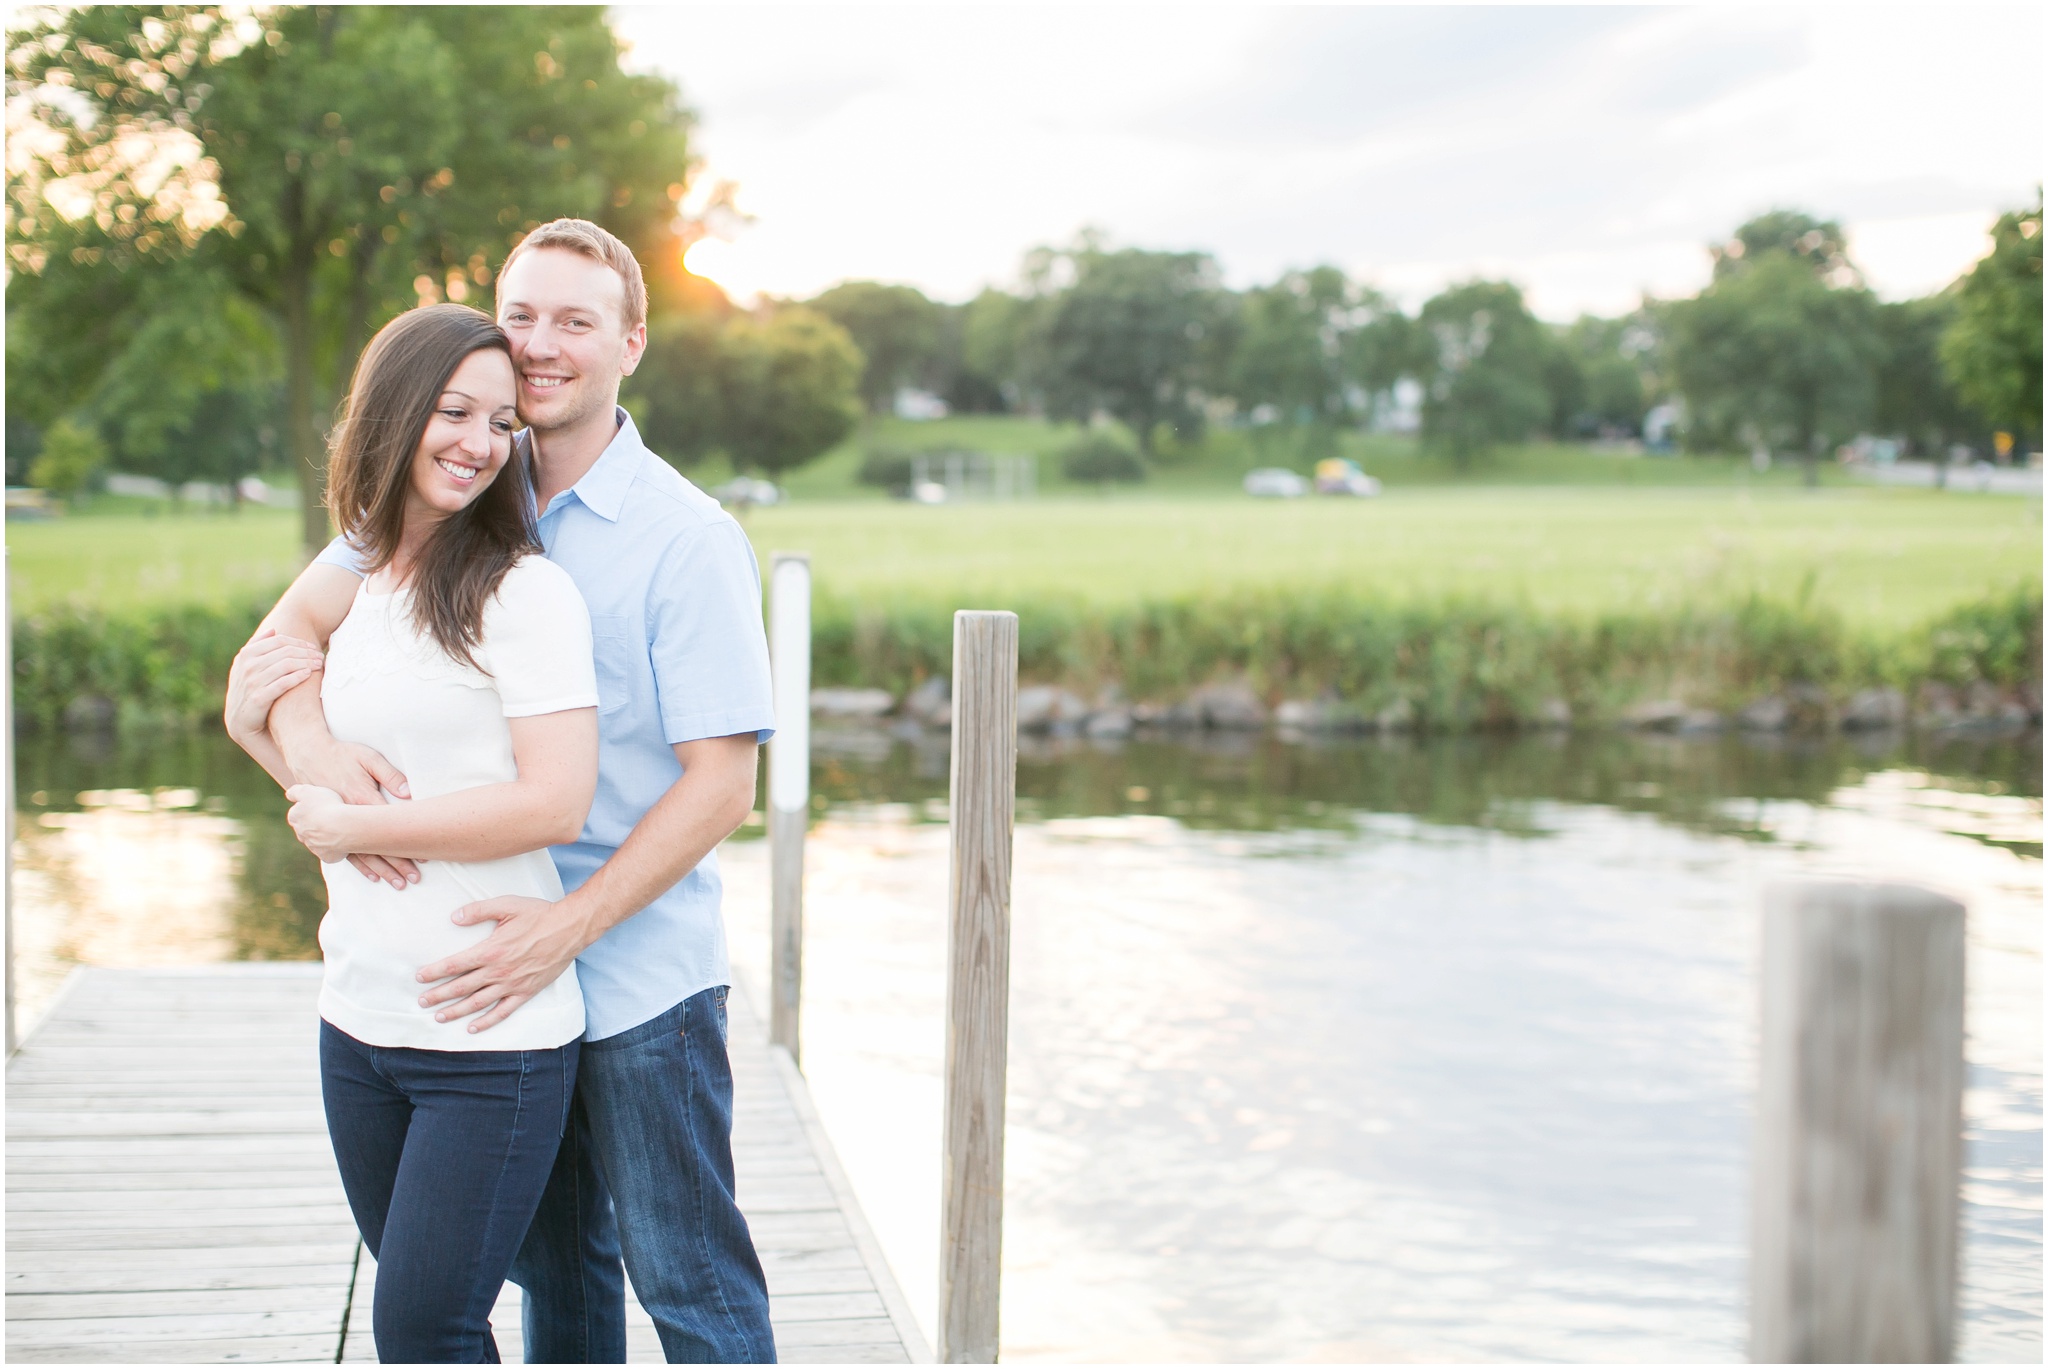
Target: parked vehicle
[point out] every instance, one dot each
(1274, 482)
(1335, 475)
(746, 491)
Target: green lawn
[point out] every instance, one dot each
(1880, 556)
(122, 554)
(1532, 526)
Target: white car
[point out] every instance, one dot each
(1274, 482)
(746, 491)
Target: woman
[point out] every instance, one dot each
(465, 659)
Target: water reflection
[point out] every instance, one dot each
(1380, 1050)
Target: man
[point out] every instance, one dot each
(645, 1169)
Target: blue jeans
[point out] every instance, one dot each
(645, 1174)
(443, 1155)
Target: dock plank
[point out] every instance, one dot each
(171, 1197)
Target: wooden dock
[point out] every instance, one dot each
(171, 1197)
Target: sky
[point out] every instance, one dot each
(1588, 154)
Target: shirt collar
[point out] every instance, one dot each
(603, 487)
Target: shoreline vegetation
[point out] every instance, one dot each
(1329, 661)
(1554, 586)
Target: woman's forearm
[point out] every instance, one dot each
(262, 749)
(489, 822)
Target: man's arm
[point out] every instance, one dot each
(535, 940)
(311, 610)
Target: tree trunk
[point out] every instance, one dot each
(302, 441)
(355, 333)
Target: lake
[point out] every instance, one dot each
(1437, 1049)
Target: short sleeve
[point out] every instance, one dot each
(705, 638)
(536, 642)
(340, 553)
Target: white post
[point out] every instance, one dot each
(789, 790)
(7, 702)
(1859, 1126)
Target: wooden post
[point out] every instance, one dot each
(789, 792)
(1859, 1126)
(978, 984)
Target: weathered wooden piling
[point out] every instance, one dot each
(1859, 1126)
(789, 792)
(984, 800)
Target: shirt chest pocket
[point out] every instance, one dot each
(618, 650)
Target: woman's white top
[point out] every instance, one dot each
(389, 686)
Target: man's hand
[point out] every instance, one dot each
(267, 667)
(534, 942)
(359, 775)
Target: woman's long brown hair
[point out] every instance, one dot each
(399, 381)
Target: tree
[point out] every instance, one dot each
(328, 166)
(768, 393)
(1774, 351)
(1913, 397)
(1127, 336)
(1992, 351)
(1485, 375)
(996, 339)
(791, 389)
(1819, 244)
(1602, 390)
(72, 454)
(896, 329)
(1312, 347)
(677, 394)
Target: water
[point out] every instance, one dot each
(1375, 1051)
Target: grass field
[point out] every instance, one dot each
(1881, 557)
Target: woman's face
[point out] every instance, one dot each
(469, 437)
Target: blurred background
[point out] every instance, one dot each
(1484, 490)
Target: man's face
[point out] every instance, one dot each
(564, 313)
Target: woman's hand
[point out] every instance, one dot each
(322, 822)
(265, 669)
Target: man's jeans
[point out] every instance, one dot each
(443, 1155)
(650, 1144)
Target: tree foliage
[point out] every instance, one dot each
(1130, 334)
(1315, 350)
(1486, 372)
(1775, 352)
(767, 393)
(72, 454)
(895, 327)
(1914, 398)
(1992, 349)
(325, 166)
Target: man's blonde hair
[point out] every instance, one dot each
(584, 237)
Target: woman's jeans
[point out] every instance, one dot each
(444, 1155)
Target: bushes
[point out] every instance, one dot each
(1457, 664)
(167, 665)
(1098, 459)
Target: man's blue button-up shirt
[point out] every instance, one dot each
(675, 611)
